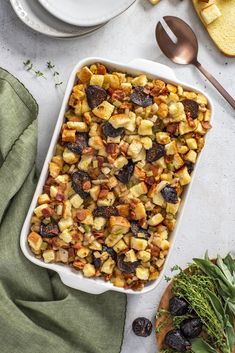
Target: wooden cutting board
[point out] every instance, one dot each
(222, 30)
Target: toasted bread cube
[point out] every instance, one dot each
(182, 149)
(89, 270)
(119, 225)
(104, 110)
(192, 143)
(207, 115)
(201, 99)
(79, 126)
(111, 80)
(144, 255)
(120, 246)
(163, 138)
(154, 2)
(153, 275)
(177, 161)
(99, 223)
(210, 14)
(160, 262)
(165, 245)
(120, 162)
(107, 201)
(140, 80)
(139, 189)
(43, 198)
(119, 120)
(108, 266)
(158, 199)
(200, 129)
(53, 191)
(184, 128)
(163, 110)
(130, 256)
(84, 75)
(156, 219)
(123, 210)
(113, 239)
(191, 156)
(146, 142)
(94, 192)
(96, 142)
(66, 236)
(67, 210)
(65, 223)
(176, 111)
(62, 179)
(54, 169)
(35, 241)
(171, 148)
(142, 273)
(83, 252)
(70, 157)
(172, 208)
(139, 211)
(95, 245)
(97, 80)
(112, 182)
(131, 124)
(145, 127)
(69, 135)
(89, 218)
(134, 149)
(39, 210)
(118, 281)
(183, 176)
(85, 162)
(48, 256)
(62, 255)
(76, 201)
(138, 243)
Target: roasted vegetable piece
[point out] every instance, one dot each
(126, 172)
(142, 327)
(174, 339)
(96, 262)
(191, 108)
(49, 230)
(155, 152)
(80, 144)
(105, 211)
(78, 179)
(169, 194)
(191, 328)
(137, 229)
(141, 98)
(110, 131)
(110, 251)
(178, 306)
(190, 166)
(124, 266)
(95, 95)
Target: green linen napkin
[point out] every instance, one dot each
(37, 312)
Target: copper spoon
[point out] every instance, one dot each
(185, 50)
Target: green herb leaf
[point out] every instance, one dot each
(230, 263)
(224, 269)
(200, 346)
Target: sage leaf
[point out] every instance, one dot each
(200, 346)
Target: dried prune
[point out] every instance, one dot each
(78, 179)
(178, 306)
(155, 152)
(174, 339)
(126, 172)
(141, 98)
(142, 327)
(110, 131)
(191, 108)
(169, 194)
(49, 230)
(105, 211)
(190, 166)
(126, 266)
(110, 251)
(96, 262)
(80, 144)
(191, 328)
(136, 229)
(95, 95)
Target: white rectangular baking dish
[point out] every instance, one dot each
(68, 275)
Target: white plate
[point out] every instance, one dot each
(36, 17)
(86, 12)
(68, 275)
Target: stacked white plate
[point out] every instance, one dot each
(68, 18)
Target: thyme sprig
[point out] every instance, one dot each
(30, 67)
(55, 73)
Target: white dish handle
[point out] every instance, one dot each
(83, 284)
(154, 68)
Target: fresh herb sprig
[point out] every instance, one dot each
(55, 73)
(29, 67)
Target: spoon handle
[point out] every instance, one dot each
(217, 85)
